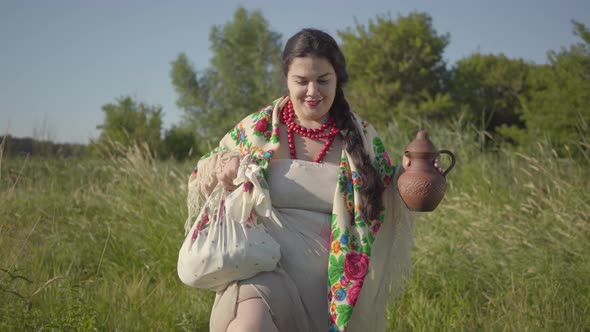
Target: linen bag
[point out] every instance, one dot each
(227, 242)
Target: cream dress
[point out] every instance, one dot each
(302, 195)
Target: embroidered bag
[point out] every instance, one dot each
(227, 242)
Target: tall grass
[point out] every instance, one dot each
(92, 244)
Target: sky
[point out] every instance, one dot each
(61, 61)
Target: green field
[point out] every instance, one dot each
(92, 245)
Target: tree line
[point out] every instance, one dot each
(11, 146)
(397, 75)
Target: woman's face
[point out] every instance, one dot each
(312, 87)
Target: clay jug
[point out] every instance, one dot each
(422, 186)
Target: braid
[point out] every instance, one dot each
(371, 186)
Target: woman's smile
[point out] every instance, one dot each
(313, 103)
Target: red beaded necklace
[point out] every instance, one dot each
(327, 130)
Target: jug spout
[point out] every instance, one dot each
(422, 143)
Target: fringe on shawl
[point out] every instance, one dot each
(400, 251)
(390, 265)
(202, 182)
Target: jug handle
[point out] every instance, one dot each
(452, 155)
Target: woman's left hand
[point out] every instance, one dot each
(436, 163)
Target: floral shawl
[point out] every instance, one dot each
(352, 236)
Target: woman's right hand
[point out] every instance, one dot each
(227, 171)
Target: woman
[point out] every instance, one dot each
(345, 236)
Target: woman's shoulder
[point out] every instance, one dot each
(363, 124)
(264, 113)
(253, 127)
(358, 118)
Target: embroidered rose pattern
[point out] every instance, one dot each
(382, 161)
(201, 225)
(356, 265)
(251, 218)
(261, 126)
(353, 293)
(261, 121)
(375, 227)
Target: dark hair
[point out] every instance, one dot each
(312, 42)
